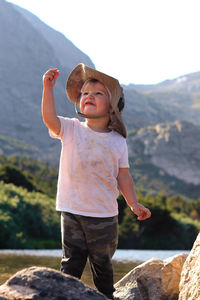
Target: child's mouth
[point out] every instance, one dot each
(89, 103)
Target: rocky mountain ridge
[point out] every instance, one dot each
(152, 107)
(188, 83)
(172, 147)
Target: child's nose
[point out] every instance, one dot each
(91, 95)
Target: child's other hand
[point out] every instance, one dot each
(142, 212)
(50, 77)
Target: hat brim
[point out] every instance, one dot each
(81, 73)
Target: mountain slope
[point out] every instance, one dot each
(27, 51)
(177, 99)
(152, 107)
(67, 54)
(189, 83)
(142, 110)
(24, 56)
(170, 152)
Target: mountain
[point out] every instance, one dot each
(157, 105)
(177, 99)
(189, 83)
(25, 54)
(68, 55)
(162, 120)
(169, 153)
(142, 110)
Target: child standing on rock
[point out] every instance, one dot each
(93, 165)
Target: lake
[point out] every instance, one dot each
(12, 261)
(120, 254)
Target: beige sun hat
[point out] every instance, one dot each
(79, 75)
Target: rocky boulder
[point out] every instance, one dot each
(190, 276)
(153, 280)
(46, 284)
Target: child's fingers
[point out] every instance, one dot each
(51, 75)
(145, 214)
(52, 70)
(56, 73)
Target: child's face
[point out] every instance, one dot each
(94, 99)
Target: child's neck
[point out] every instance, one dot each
(99, 125)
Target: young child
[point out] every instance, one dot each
(93, 165)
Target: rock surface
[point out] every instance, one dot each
(46, 284)
(190, 276)
(153, 280)
(173, 147)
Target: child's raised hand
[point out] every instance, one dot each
(142, 212)
(50, 77)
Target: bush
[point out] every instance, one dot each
(128, 231)
(166, 229)
(11, 174)
(26, 217)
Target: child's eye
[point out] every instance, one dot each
(85, 94)
(99, 93)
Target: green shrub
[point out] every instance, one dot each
(26, 217)
(11, 174)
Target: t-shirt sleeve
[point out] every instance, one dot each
(66, 125)
(123, 162)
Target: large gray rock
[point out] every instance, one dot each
(190, 276)
(153, 280)
(46, 284)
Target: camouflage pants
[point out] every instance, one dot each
(89, 237)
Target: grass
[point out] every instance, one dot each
(10, 264)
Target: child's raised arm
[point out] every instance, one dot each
(126, 186)
(49, 114)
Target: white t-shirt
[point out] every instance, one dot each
(89, 166)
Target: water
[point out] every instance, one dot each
(120, 255)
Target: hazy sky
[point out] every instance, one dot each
(136, 41)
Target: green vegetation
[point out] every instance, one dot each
(174, 224)
(29, 172)
(28, 218)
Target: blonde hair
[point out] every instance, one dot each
(93, 80)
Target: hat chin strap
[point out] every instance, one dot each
(91, 116)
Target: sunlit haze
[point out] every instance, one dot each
(136, 41)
